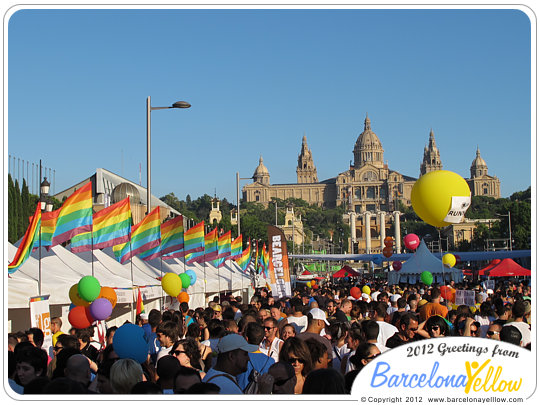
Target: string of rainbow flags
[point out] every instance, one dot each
(75, 222)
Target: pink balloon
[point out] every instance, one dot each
(396, 265)
(411, 241)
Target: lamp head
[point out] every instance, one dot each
(181, 104)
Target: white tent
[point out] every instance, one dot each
(423, 260)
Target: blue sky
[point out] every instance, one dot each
(257, 81)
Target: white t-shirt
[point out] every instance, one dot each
(337, 355)
(300, 323)
(164, 351)
(386, 330)
(273, 350)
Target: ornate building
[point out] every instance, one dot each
(481, 183)
(368, 189)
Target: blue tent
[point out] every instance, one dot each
(423, 260)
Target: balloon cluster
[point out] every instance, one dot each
(388, 246)
(91, 302)
(173, 283)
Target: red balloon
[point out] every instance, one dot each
(387, 252)
(446, 292)
(79, 317)
(396, 265)
(356, 292)
(458, 259)
(411, 241)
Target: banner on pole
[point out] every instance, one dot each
(280, 278)
(40, 317)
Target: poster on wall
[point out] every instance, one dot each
(40, 317)
(280, 279)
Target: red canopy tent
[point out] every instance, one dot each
(506, 268)
(306, 273)
(346, 271)
(481, 272)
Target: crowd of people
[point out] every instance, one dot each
(315, 342)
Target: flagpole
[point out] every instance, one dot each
(131, 265)
(92, 251)
(161, 274)
(39, 274)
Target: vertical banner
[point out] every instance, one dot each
(40, 317)
(280, 279)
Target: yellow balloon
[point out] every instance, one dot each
(308, 284)
(171, 284)
(76, 298)
(431, 195)
(449, 260)
(366, 290)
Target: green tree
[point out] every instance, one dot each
(12, 221)
(20, 223)
(27, 211)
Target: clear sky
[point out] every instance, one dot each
(258, 80)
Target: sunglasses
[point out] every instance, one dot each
(413, 329)
(56, 348)
(293, 360)
(434, 327)
(269, 327)
(491, 333)
(177, 352)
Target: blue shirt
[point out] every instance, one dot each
(260, 361)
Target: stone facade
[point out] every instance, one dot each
(480, 182)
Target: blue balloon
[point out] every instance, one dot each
(129, 343)
(72, 306)
(192, 276)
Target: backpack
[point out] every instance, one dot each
(253, 384)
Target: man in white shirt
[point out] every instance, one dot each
(386, 330)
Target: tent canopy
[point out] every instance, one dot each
(346, 271)
(506, 268)
(423, 260)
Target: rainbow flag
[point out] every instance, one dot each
(140, 305)
(245, 259)
(75, 215)
(264, 260)
(27, 242)
(48, 224)
(210, 249)
(172, 238)
(111, 226)
(236, 248)
(194, 240)
(224, 249)
(144, 236)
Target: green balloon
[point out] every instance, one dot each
(426, 277)
(186, 280)
(89, 288)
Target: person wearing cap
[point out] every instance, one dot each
(316, 324)
(393, 304)
(284, 378)
(520, 309)
(232, 360)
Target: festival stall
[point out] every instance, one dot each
(423, 261)
(505, 268)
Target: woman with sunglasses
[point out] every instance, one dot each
(435, 326)
(295, 352)
(188, 354)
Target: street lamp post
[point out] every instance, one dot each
(45, 204)
(149, 109)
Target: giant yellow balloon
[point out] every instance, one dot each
(431, 195)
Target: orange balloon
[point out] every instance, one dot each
(388, 241)
(387, 251)
(110, 294)
(183, 297)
